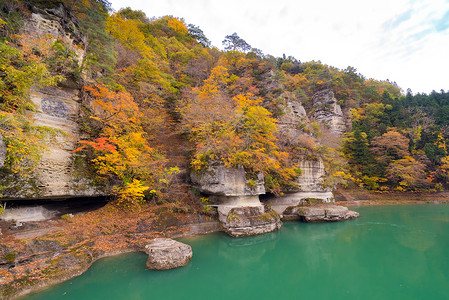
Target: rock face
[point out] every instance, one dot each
(310, 187)
(291, 129)
(59, 22)
(222, 181)
(248, 221)
(165, 254)
(237, 196)
(294, 119)
(327, 111)
(2, 151)
(57, 108)
(314, 214)
(312, 175)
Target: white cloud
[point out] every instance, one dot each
(402, 40)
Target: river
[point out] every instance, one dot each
(390, 252)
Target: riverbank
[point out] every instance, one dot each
(378, 247)
(361, 197)
(42, 254)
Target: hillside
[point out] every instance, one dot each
(152, 132)
(148, 100)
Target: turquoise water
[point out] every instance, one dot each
(390, 252)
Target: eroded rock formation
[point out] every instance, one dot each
(237, 200)
(322, 213)
(59, 22)
(327, 111)
(310, 185)
(247, 221)
(230, 182)
(165, 254)
(57, 108)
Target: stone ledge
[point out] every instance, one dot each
(315, 214)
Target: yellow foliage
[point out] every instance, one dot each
(178, 25)
(131, 194)
(25, 143)
(239, 133)
(128, 33)
(122, 151)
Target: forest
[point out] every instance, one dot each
(144, 80)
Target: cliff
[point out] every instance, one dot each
(56, 108)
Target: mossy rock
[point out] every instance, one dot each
(311, 202)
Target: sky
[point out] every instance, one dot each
(405, 41)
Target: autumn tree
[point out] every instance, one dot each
(21, 68)
(392, 145)
(407, 173)
(120, 153)
(130, 14)
(234, 131)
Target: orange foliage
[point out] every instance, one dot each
(122, 152)
(236, 132)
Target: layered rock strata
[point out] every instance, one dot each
(165, 254)
(57, 108)
(247, 221)
(310, 186)
(237, 200)
(58, 22)
(328, 112)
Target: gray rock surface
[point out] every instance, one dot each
(327, 111)
(60, 22)
(165, 254)
(293, 120)
(220, 180)
(312, 176)
(248, 221)
(325, 213)
(58, 108)
(281, 203)
(27, 214)
(237, 200)
(310, 185)
(2, 151)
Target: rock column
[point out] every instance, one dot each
(237, 200)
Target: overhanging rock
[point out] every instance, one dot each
(236, 196)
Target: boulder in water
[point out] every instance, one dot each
(324, 213)
(248, 221)
(165, 254)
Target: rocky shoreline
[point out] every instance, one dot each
(48, 259)
(49, 252)
(48, 256)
